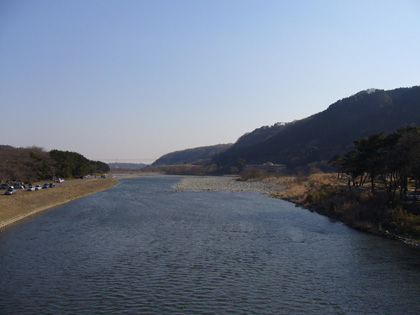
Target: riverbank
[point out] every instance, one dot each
(358, 207)
(324, 194)
(21, 206)
(321, 193)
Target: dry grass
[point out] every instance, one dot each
(20, 206)
(297, 187)
(357, 207)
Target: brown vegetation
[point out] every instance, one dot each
(25, 164)
(300, 185)
(357, 207)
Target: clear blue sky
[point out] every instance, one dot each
(132, 80)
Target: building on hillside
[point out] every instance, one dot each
(268, 167)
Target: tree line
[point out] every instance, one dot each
(388, 162)
(72, 164)
(34, 164)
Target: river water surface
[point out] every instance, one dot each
(144, 248)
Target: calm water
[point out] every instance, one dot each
(142, 247)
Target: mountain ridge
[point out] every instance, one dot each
(199, 155)
(320, 136)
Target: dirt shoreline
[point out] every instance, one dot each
(16, 208)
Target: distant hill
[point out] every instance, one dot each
(201, 155)
(128, 166)
(323, 135)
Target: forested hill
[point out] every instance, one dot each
(34, 163)
(323, 135)
(259, 135)
(199, 155)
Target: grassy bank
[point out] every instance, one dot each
(25, 204)
(356, 207)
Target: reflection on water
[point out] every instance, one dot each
(142, 247)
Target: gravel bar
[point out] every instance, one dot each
(226, 183)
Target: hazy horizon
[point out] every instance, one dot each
(130, 81)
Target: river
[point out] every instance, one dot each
(142, 247)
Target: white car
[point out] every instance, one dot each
(10, 191)
(38, 187)
(30, 188)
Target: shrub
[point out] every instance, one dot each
(400, 216)
(253, 174)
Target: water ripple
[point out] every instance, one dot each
(142, 248)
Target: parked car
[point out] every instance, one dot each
(51, 185)
(10, 191)
(18, 186)
(31, 188)
(4, 186)
(413, 196)
(38, 187)
(46, 185)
